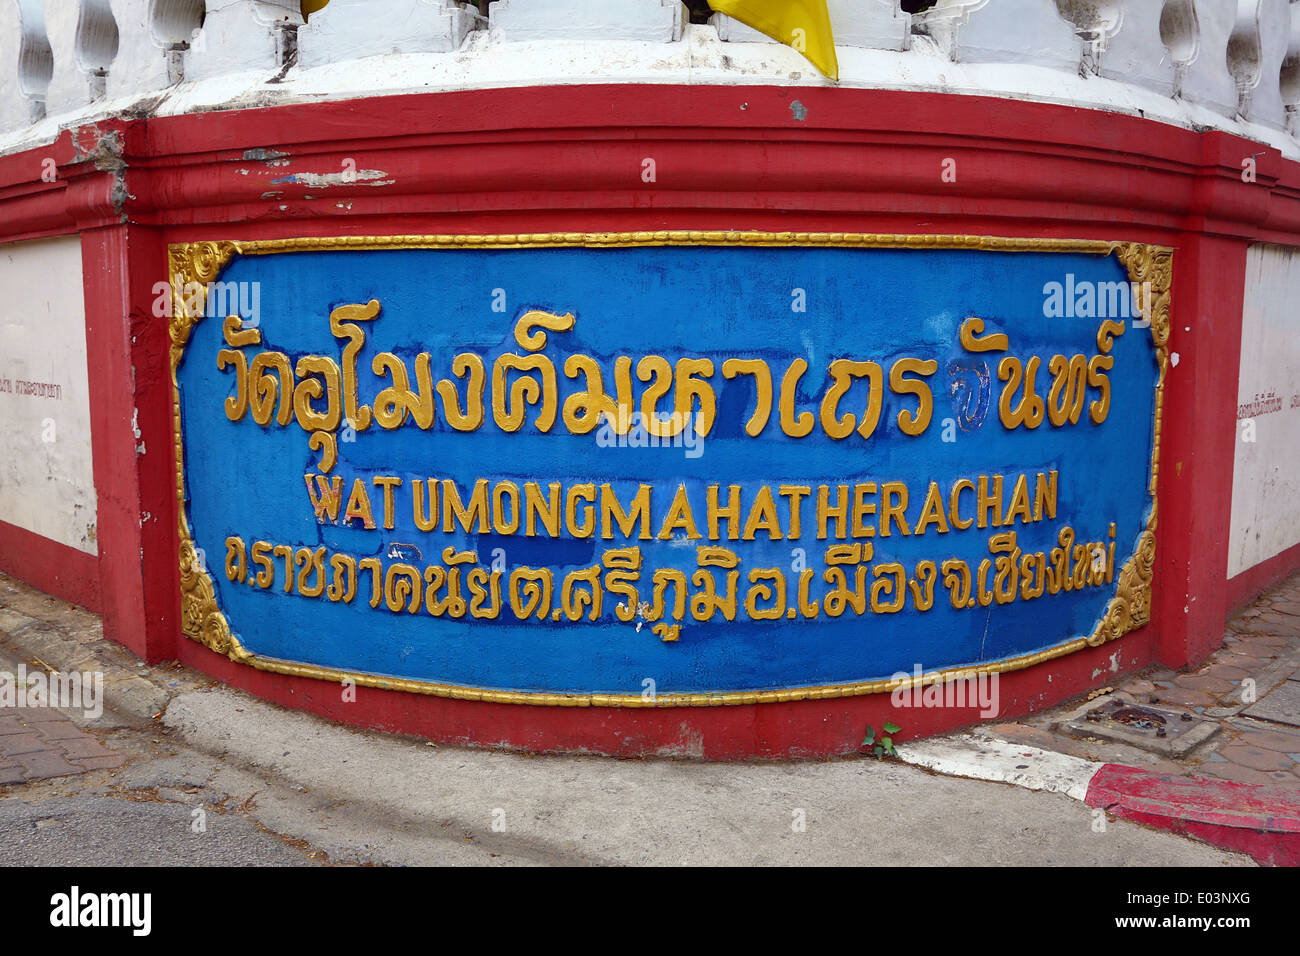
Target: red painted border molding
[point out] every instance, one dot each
(568, 158)
(1262, 821)
(804, 729)
(65, 572)
(1245, 586)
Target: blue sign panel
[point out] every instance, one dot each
(717, 465)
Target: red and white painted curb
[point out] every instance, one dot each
(1261, 821)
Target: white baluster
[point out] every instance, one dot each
(68, 90)
(240, 35)
(1245, 52)
(97, 44)
(347, 29)
(1206, 79)
(871, 24)
(658, 21)
(1180, 35)
(1256, 48)
(1290, 73)
(151, 52)
(25, 63)
(35, 58)
(1004, 31)
(1095, 23)
(14, 111)
(83, 36)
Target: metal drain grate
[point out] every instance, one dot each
(1117, 717)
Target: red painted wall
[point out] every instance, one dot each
(569, 159)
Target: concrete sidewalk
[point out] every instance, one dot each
(1214, 752)
(358, 797)
(1255, 740)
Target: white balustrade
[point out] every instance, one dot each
(1239, 58)
(872, 24)
(657, 21)
(348, 29)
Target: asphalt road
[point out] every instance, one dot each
(89, 830)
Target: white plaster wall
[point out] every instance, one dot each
(1266, 472)
(46, 474)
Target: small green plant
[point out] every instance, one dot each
(885, 746)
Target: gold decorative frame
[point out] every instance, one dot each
(202, 619)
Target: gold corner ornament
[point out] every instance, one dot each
(194, 265)
(1150, 270)
(804, 25)
(191, 267)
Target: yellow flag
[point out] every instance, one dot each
(802, 24)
